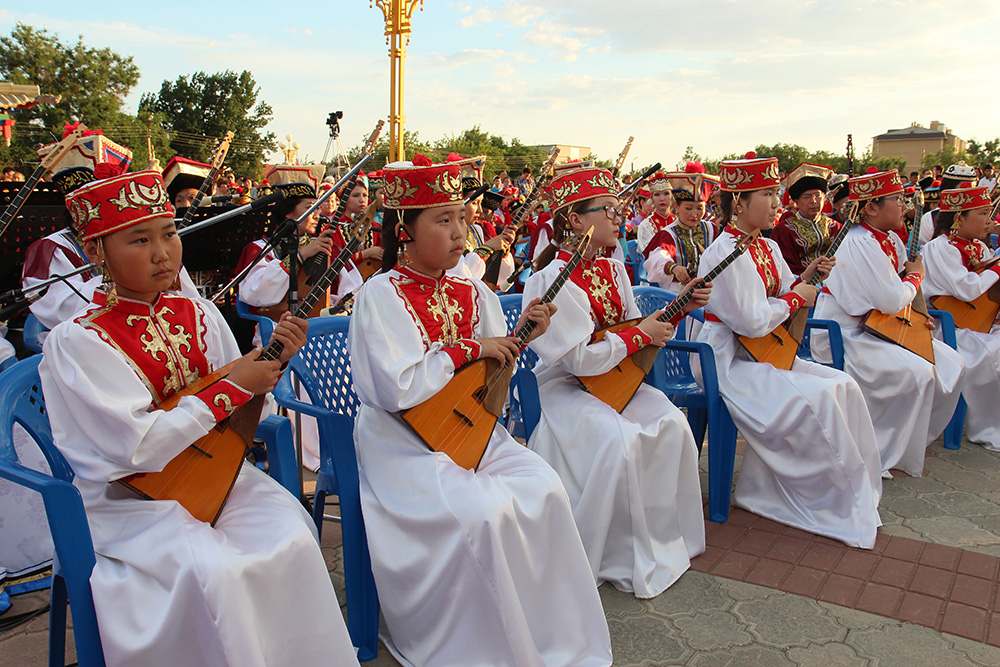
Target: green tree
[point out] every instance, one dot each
(945, 156)
(380, 155)
(981, 153)
(197, 110)
(93, 84)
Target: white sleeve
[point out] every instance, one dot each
(470, 266)
(739, 298)
(60, 303)
(566, 343)
(864, 277)
(266, 284)
(926, 227)
(656, 265)
(946, 273)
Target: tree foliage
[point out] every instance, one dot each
(791, 155)
(93, 84)
(981, 153)
(197, 110)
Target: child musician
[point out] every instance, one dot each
(662, 196)
(955, 259)
(673, 253)
(632, 477)
(910, 399)
(479, 567)
(168, 588)
(811, 460)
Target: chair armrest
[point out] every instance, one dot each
(832, 328)
(286, 398)
(947, 323)
(706, 359)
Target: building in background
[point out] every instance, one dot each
(916, 141)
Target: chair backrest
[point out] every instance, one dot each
(511, 304)
(634, 259)
(34, 332)
(22, 402)
(323, 366)
(677, 365)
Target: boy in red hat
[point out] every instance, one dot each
(253, 588)
(910, 399)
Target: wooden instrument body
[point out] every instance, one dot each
(368, 267)
(779, 346)
(459, 419)
(201, 477)
(617, 386)
(980, 314)
(907, 328)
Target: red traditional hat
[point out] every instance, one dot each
(644, 192)
(111, 204)
(749, 174)
(965, 199)
(182, 173)
(422, 184)
(580, 185)
(874, 184)
(807, 176)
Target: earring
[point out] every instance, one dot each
(175, 286)
(106, 279)
(957, 223)
(404, 235)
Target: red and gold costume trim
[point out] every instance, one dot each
(597, 280)
(763, 260)
(164, 344)
(445, 310)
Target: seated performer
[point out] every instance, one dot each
(955, 260)
(479, 567)
(183, 179)
(952, 178)
(60, 252)
(661, 194)
(805, 234)
(910, 399)
(478, 249)
(811, 459)
(672, 255)
(169, 589)
(357, 201)
(632, 477)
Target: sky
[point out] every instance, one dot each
(720, 75)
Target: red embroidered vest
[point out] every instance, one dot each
(597, 279)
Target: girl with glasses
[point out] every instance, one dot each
(911, 400)
(632, 477)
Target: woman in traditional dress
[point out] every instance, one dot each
(473, 567)
(910, 399)
(958, 265)
(168, 588)
(632, 477)
(811, 459)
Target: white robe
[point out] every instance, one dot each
(811, 459)
(980, 387)
(910, 400)
(632, 477)
(472, 568)
(267, 285)
(169, 589)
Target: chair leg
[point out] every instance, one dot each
(57, 622)
(698, 421)
(362, 608)
(721, 460)
(319, 506)
(953, 432)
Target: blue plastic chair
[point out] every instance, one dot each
(32, 336)
(21, 401)
(953, 432)
(836, 338)
(514, 422)
(635, 260)
(706, 410)
(324, 370)
(264, 324)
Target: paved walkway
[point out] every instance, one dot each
(764, 594)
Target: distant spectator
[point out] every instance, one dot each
(524, 183)
(17, 176)
(938, 171)
(8, 174)
(914, 177)
(989, 178)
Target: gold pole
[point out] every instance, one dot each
(397, 14)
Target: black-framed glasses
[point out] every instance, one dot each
(609, 211)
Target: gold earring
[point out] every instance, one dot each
(106, 279)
